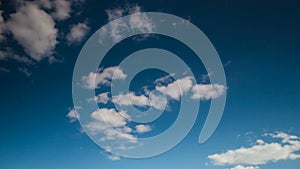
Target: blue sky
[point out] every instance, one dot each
(258, 44)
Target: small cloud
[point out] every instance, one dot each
(208, 91)
(177, 88)
(73, 115)
(114, 157)
(141, 23)
(142, 128)
(228, 63)
(130, 99)
(104, 77)
(62, 9)
(77, 33)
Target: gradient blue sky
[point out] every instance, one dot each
(258, 44)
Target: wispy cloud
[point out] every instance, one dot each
(139, 23)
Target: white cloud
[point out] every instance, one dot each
(177, 88)
(34, 29)
(62, 9)
(114, 157)
(245, 167)
(158, 101)
(77, 33)
(104, 77)
(130, 99)
(139, 23)
(261, 153)
(102, 98)
(73, 115)
(207, 91)
(142, 128)
(110, 116)
(112, 124)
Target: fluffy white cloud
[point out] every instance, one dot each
(104, 77)
(62, 9)
(262, 152)
(245, 167)
(77, 33)
(112, 124)
(34, 29)
(110, 116)
(73, 115)
(130, 99)
(177, 88)
(142, 128)
(207, 91)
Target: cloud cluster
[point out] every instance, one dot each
(260, 153)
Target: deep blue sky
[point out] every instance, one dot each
(258, 43)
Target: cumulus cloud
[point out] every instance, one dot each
(112, 124)
(34, 30)
(77, 33)
(177, 88)
(208, 91)
(104, 77)
(73, 115)
(130, 99)
(261, 153)
(142, 128)
(62, 9)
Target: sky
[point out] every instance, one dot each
(45, 123)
